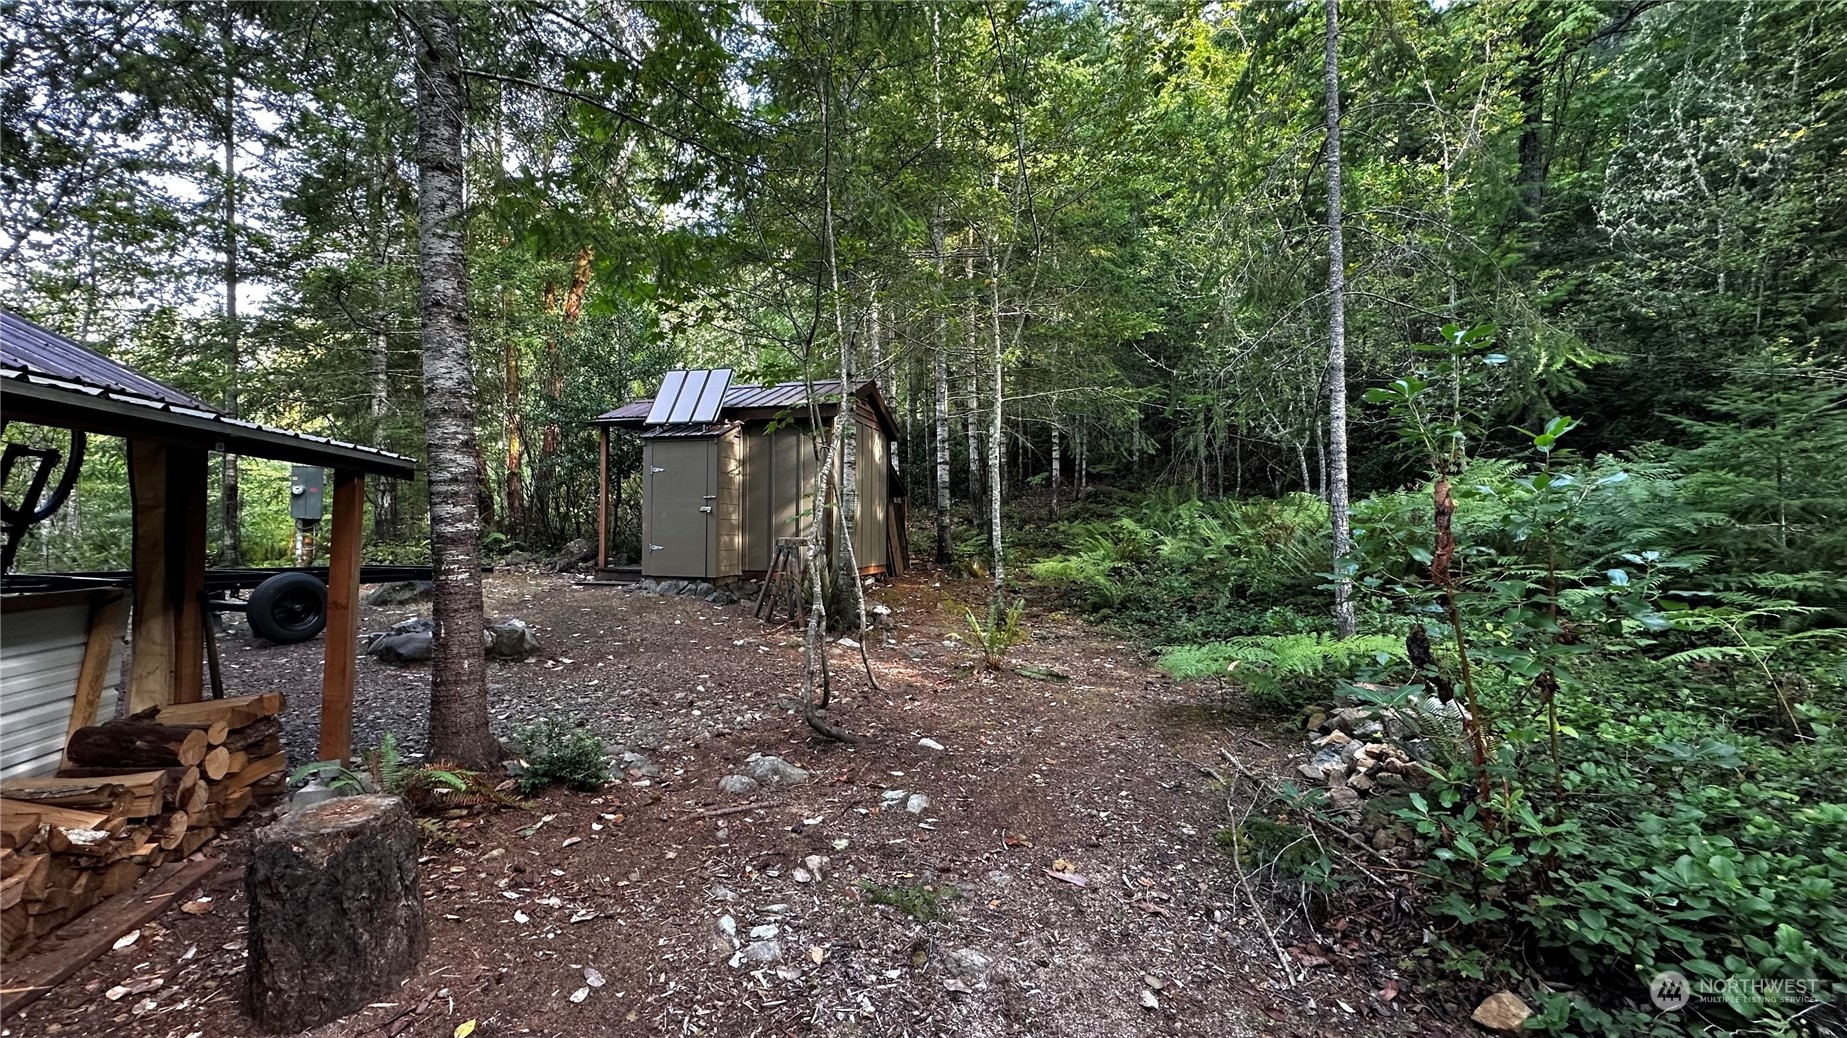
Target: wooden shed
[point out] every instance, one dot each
(727, 470)
(49, 674)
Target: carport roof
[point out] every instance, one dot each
(48, 379)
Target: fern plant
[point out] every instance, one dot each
(1282, 672)
(1003, 629)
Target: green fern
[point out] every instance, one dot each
(1281, 672)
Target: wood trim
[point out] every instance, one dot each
(342, 638)
(105, 629)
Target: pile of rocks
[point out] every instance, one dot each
(1361, 750)
(414, 641)
(700, 589)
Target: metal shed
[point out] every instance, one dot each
(47, 379)
(727, 470)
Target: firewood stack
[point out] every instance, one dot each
(135, 793)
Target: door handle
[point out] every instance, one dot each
(656, 547)
(705, 508)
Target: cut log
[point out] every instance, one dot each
(253, 734)
(336, 920)
(216, 731)
(17, 830)
(172, 830)
(86, 843)
(67, 817)
(217, 763)
(237, 711)
(196, 801)
(137, 744)
(237, 803)
(256, 771)
(134, 794)
(25, 880)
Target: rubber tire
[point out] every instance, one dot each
(288, 608)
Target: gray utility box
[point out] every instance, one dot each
(305, 483)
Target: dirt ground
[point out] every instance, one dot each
(1068, 843)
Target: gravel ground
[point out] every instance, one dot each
(1068, 844)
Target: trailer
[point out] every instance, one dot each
(285, 605)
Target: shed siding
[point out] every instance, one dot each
(41, 651)
(728, 507)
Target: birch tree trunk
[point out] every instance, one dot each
(972, 421)
(458, 683)
(994, 438)
(1337, 339)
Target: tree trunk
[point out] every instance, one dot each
(1337, 339)
(458, 682)
(994, 438)
(941, 425)
(336, 920)
(231, 550)
(1058, 468)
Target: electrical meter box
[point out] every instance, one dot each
(305, 482)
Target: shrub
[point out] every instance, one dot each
(1003, 629)
(561, 754)
(921, 901)
(1283, 672)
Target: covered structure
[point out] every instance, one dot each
(729, 470)
(47, 379)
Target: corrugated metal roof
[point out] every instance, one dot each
(782, 394)
(26, 347)
(39, 366)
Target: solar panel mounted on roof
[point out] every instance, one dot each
(712, 397)
(664, 400)
(689, 396)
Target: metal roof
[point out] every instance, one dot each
(688, 431)
(743, 398)
(26, 347)
(48, 379)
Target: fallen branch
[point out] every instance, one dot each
(720, 812)
(812, 714)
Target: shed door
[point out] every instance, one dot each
(681, 493)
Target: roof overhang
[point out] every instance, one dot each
(44, 400)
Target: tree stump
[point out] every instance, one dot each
(336, 920)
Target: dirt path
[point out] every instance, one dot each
(762, 921)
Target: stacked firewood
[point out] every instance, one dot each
(135, 793)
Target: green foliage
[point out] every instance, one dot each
(562, 754)
(924, 902)
(1196, 570)
(419, 783)
(1003, 628)
(1283, 672)
(334, 774)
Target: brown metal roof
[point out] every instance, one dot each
(688, 430)
(48, 379)
(27, 348)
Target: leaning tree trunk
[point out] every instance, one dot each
(1337, 341)
(458, 681)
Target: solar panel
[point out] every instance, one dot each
(689, 397)
(663, 401)
(712, 397)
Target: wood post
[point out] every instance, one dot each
(602, 505)
(168, 492)
(105, 630)
(342, 644)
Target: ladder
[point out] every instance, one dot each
(783, 583)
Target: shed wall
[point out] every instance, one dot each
(41, 651)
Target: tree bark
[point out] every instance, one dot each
(336, 920)
(994, 436)
(940, 318)
(458, 681)
(1337, 339)
(231, 548)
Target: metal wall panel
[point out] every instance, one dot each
(41, 651)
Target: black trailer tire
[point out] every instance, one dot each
(288, 608)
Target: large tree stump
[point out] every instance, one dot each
(336, 920)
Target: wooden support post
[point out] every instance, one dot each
(150, 680)
(105, 631)
(602, 506)
(187, 511)
(342, 645)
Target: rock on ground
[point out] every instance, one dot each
(1502, 1011)
(738, 785)
(509, 640)
(401, 592)
(774, 771)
